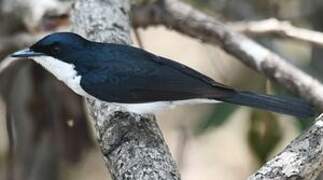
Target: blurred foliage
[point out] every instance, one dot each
(264, 134)
(218, 116)
(304, 123)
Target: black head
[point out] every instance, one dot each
(58, 45)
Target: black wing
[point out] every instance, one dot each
(131, 75)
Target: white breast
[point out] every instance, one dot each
(62, 71)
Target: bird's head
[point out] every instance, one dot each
(59, 45)
(62, 54)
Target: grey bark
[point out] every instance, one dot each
(301, 159)
(132, 145)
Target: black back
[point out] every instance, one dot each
(124, 74)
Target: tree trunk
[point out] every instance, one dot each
(132, 145)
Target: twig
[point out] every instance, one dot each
(275, 27)
(183, 18)
(138, 38)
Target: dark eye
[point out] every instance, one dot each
(55, 49)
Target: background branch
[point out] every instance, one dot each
(275, 27)
(302, 159)
(132, 145)
(187, 20)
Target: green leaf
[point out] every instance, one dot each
(304, 123)
(219, 115)
(264, 134)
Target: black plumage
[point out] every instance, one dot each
(125, 74)
(131, 75)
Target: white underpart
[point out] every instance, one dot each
(153, 107)
(66, 72)
(62, 71)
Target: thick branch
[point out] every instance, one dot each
(183, 18)
(301, 159)
(278, 28)
(132, 145)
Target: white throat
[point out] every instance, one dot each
(62, 71)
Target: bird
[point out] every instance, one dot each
(140, 81)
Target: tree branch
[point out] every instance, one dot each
(275, 27)
(132, 145)
(301, 159)
(185, 19)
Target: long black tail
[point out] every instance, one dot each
(285, 105)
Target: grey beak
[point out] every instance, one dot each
(26, 53)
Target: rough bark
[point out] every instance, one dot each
(132, 145)
(184, 18)
(301, 159)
